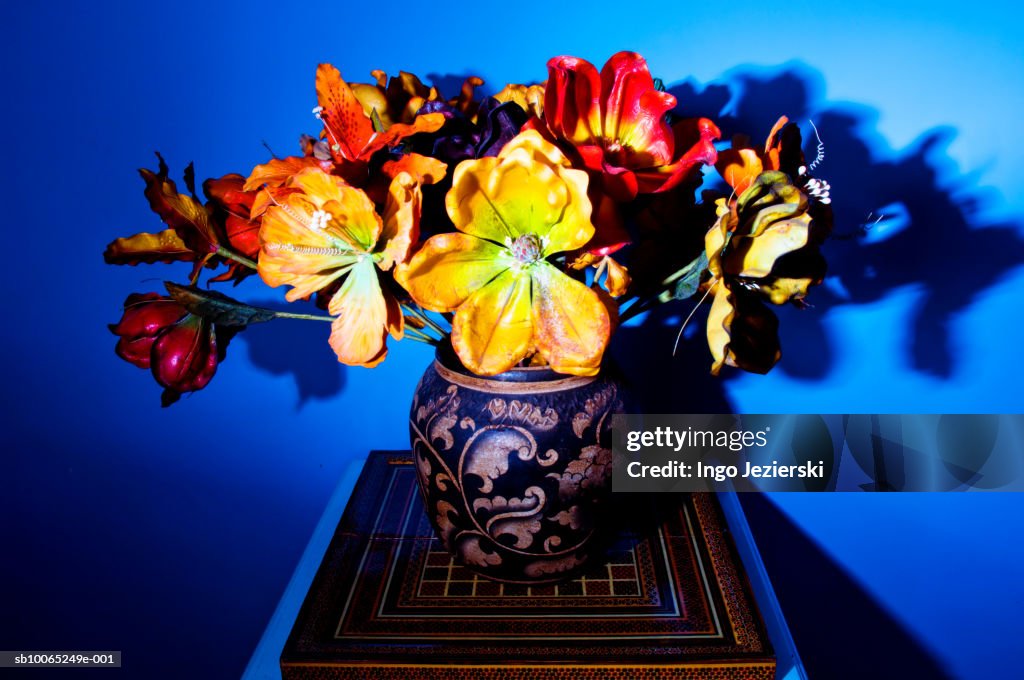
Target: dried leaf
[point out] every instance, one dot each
(165, 246)
(218, 308)
(617, 278)
(183, 214)
(190, 179)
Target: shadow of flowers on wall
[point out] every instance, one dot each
(904, 217)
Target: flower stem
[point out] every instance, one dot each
(692, 311)
(411, 333)
(311, 317)
(240, 259)
(420, 314)
(416, 335)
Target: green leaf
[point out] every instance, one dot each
(378, 126)
(218, 308)
(685, 282)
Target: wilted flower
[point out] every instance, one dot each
(764, 246)
(495, 125)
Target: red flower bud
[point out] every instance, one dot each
(185, 355)
(145, 316)
(182, 349)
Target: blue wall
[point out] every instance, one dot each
(129, 527)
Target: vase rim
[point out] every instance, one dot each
(448, 360)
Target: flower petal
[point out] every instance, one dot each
(530, 98)
(180, 212)
(451, 267)
(502, 199)
(401, 220)
(773, 221)
(742, 333)
(293, 254)
(359, 332)
(145, 316)
(571, 100)
(527, 189)
(492, 330)
(428, 122)
(697, 136)
(466, 197)
(353, 216)
(634, 111)
(347, 127)
(184, 358)
(573, 228)
(276, 172)
(739, 168)
(571, 325)
(759, 254)
(425, 169)
(618, 279)
(719, 319)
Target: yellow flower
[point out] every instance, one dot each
(513, 212)
(324, 229)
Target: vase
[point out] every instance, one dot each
(514, 469)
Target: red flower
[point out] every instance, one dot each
(616, 120)
(181, 349)
(231, 206)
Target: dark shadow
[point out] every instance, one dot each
(317, 373)
(659, 382)
(839, 630)
(934, 236)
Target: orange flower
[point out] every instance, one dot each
(348, 130)
(514, 211)
(324, 230)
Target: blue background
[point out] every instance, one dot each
(170, 534)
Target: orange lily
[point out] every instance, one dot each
(326, 229)
(513, 211)
(349, 131)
